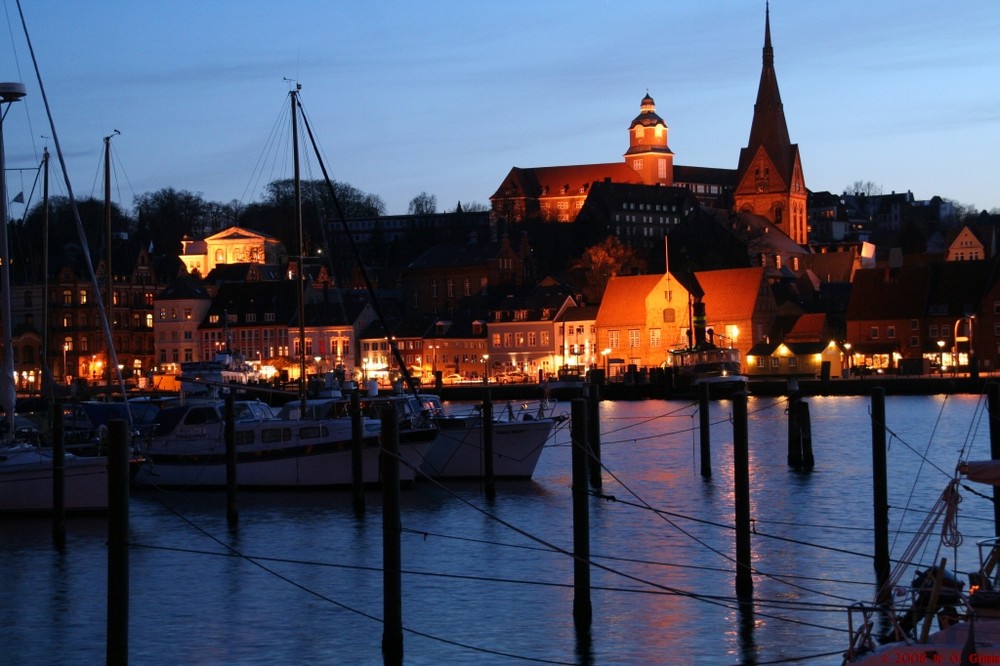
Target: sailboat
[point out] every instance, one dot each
(299, 447)
(29, 472)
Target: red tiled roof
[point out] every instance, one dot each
(730, 294)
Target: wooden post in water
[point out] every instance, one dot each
(741, 483)
(594, 434)
(118, 574)
(232, 510)
(880, 492)
(357, 453)
(993, 395)
(392, 584)
(582, 610)
(489, 477)
(704, 431)
(805, 436)
(58, 475)
(794, 431)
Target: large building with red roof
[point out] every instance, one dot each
(768, 180)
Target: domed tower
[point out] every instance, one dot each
(648, 153)
(769, 179)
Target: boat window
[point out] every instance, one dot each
(201, 416)
(312, 432)
(273, 435)
(244, 437)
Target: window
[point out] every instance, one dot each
(434, 289)
(544, 337)
(451, 288)
(83, 297)
(914, 324)
(67, 343)
(654, 337)
(633, 338)
(268, 316)
(496, 339)
(149, 320)
(775, 362)
(873, 333)
(67, 297)
(932, 331)
(613, 339)
(467, 287)
(532, 339)
(890, 332)
(914, 341)
(668, 316)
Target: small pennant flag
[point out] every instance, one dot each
(19, 198)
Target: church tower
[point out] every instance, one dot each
(769, 179)
(648, 153)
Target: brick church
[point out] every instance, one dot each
(767, 181)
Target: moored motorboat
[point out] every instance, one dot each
(26, 480)
(187, 448)
(518, 440)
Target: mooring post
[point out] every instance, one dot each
(118, 573)
(58, 476)
(741, 483)
(993, 400)
(704, 399)
(794, 432)
(357, 452)
(805, 436)
(594, 434)
(489, 478)
(880, 492)
(582, 610)
(392, 584)
(229, 416)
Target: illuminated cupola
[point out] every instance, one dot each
(648, 153)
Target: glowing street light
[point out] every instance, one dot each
(605, 352)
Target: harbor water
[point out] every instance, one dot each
(299, 579)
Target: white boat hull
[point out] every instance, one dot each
(458, 450)
(26, 481)
(180, 463)
(945, 646)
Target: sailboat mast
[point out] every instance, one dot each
(9, 92)
(300, 275)
(47, 377)
(107, 249)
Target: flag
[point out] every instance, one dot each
(19, 198)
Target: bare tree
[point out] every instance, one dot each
(423, 204)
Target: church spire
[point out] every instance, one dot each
(768, 50)
(769, 175)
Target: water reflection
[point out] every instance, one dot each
(495, 576)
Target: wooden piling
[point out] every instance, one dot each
(741, 482)
(582, 609)
(392, 584)
(229, 416)
(594, 434)
(805, 436)
(489, 477)
(58, 476)
(118, 571)
(880, 492)
(357, 456)
(794, 432)
(704, 432)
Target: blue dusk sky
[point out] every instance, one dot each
(445, 97)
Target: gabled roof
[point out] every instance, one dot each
(239, 233)
(579, 313)
(459, 255)
(624, 299)
(731, 294)
(808, 328)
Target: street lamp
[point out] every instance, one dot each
(940, 344)
(604, 353)
(318, 368)
(65, 349)
(486, 368)
(847, 351)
